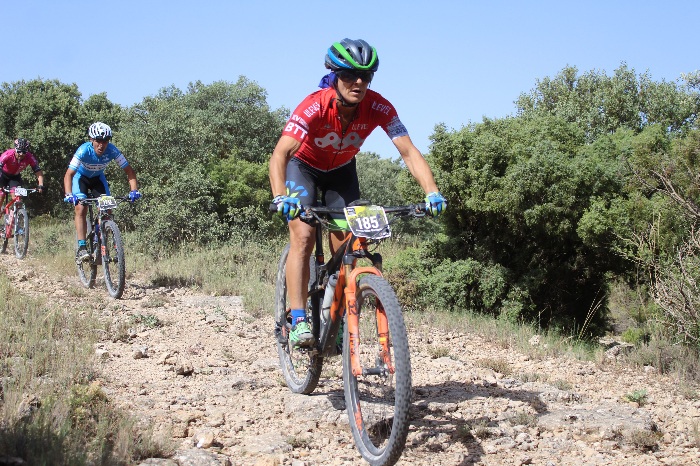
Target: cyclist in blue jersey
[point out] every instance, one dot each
(86, 173)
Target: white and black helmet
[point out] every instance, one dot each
(99, 130)
(22, 145)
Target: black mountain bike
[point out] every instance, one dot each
(104, 243)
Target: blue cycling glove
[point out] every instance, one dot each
(435, 203)
(71, 199)
(134, 195)
(290, 207)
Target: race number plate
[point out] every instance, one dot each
(368, 221)
(20, 191)
(106, 202)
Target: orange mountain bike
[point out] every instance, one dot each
(358, 304)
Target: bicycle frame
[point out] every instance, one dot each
(344, 301)
(10, 207)
(95, 220)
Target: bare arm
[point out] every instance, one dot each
(40, 177)
(68, 181)
(284, 150)
(131, 176)
(416, 163)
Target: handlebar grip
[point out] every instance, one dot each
(272, 207)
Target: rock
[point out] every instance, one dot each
(203, 439)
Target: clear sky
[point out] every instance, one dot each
(451, 62)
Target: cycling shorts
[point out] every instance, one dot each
(337, 187)
(9, 181)
(83, 185)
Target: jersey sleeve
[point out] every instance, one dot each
(33, 162)
(395, 129)
(75, 162)
(119, 158)
(302, 118)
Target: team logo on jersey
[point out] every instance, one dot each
(332, 139)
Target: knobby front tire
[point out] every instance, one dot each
(378, 405)
(87, 270)
(21, 233)
(301, 368)
(113, 259)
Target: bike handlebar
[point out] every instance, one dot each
(10, 190)
(94, 200)
(410, 209)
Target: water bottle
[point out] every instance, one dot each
(328, 298)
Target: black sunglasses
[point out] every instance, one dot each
(102, 139)
(351, 76)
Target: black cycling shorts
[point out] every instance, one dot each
(337, 187)
(10, 181)
(82, 185)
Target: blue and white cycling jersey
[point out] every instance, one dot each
(87, 163)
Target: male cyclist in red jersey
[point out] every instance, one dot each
(317, 152)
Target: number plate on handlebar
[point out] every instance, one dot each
(106, 202)
(20, 191)
(368, 221)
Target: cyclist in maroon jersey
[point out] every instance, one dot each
(317, 152)
(12, 164)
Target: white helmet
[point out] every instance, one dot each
(99, 130)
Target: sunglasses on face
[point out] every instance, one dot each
(102, 139)
(351, 76)
(19, 152)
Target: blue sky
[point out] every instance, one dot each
(453, 62)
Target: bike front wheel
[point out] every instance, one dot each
(113, 259)
(378, 401)
(21, 233)
(87, 270)
(5, 234)
(301, 368)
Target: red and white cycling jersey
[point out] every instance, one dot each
(10, 165)
(316, 124)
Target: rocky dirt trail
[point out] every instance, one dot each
(204, 372)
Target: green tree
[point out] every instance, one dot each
(600, 104)
(517, 190)
(48, 113)
(222, 126)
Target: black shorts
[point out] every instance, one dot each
(338, 187)
(82, 186)
(10, 181)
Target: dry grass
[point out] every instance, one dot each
(52, 410)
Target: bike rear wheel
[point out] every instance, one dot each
(87, 270)
(21, 233)
(301, 368)
(113, 259)
(378, 401)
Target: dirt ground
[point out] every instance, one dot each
(204, 372)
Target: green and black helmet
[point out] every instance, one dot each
(351, 54)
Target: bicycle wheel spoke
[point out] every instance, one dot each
(21, 229)
(378, 400)
(113, 259)
(301, 368)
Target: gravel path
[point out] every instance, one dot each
(204, 373)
